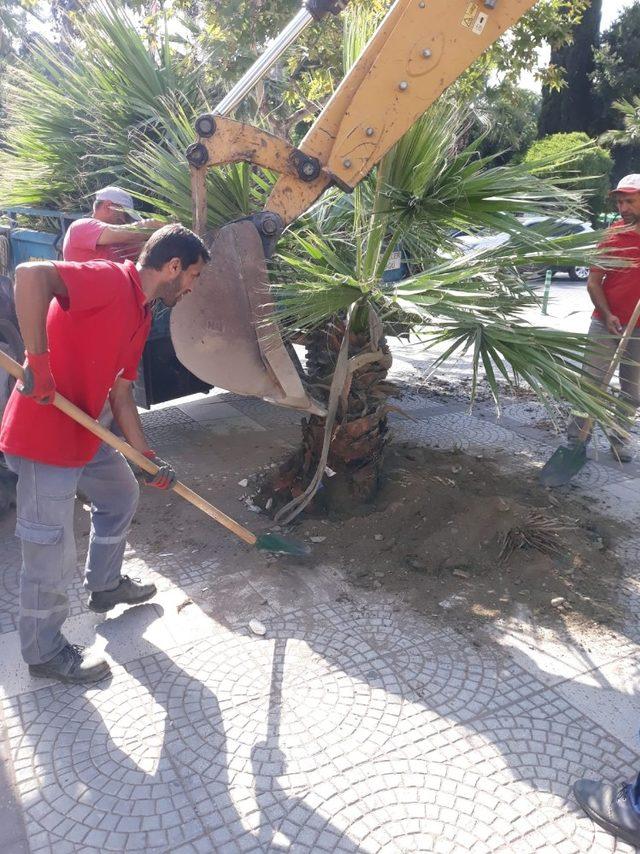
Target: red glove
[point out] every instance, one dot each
(165, 477)
(38, 381)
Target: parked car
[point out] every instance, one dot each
(545, 225)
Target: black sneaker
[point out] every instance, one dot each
(72, 664)
(130, 591)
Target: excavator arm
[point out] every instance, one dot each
(419, 49)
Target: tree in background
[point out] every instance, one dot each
(574, 161)
(616, 74)
(505, 121)
(629, 133)
(616, 81)
(570, 106)
(14, 15)
(15, 35)
(71, 115)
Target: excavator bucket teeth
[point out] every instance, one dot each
(225, 332)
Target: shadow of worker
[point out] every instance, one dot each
(168, 738)
(288, 822)
(165, 747)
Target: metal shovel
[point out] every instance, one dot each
(265, 542)
(567, 461)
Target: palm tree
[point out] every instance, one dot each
(330, 284)
(329, 269)
(71, 113)
(629, 133)
(330, 278)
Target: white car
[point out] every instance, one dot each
(544, 224)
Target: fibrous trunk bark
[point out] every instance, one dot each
(360, 432)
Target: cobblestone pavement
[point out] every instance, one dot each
(354, 727)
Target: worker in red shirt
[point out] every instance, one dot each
(84, 326)
(615, 293)
(115, 232)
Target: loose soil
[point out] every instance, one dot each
(436, 535)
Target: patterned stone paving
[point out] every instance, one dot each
(349, 728)
(162, 425)
(321, 742)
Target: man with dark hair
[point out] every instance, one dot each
(84, 326)
(172, 241)
(114, 231)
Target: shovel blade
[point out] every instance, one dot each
(225, 333)
(563, 465)
(282, 545)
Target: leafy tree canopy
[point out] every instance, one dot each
(576, 162)
(505, 120)
(235, 32)
(617, 71)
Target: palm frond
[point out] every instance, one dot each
(548, 361)
(71, 116)
(159, 174)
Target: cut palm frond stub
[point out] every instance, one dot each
(538, 532)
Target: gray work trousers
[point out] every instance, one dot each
(45, 502)
(597, 365)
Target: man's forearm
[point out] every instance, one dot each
(596, 293)
(126, 415)
(135, 232)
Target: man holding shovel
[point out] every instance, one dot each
(84, 326)
(615, 294)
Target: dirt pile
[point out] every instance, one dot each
(456, 532)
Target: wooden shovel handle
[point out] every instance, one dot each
(617, 358)
(70, 409)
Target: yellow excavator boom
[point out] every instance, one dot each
(227, 336)
(420, 48)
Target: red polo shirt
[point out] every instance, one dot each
(622, 287)
(95, 335)
(81, 243)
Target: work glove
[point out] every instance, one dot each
(38, 382)
(165, 477)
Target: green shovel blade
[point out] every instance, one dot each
(563, 465)
(281, 545)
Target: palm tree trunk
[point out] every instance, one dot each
(360, 432)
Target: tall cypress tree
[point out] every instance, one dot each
(572, 108)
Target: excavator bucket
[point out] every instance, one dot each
(225, 332)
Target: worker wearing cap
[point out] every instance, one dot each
(615, 293)
(115, 232)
